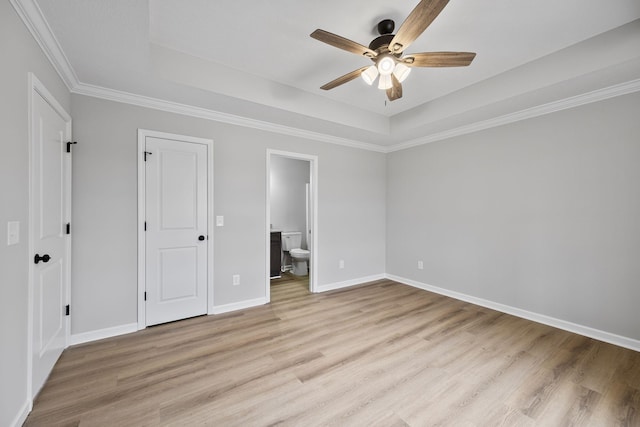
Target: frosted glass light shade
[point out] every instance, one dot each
(385, 82)
(385, 65)
(401, 72)
(369, 75)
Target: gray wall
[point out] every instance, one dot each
(20, 54)
(541, 215)
(288, 195)
(351, 208)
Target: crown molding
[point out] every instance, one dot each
(217, 116)
(32, 16)
(203, 113)
(34, 20)
(539, 110)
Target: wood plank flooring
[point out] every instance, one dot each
(382, 354)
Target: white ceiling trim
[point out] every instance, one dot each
(217, 116)
(551, 107)
(203, 113)
(32, 16)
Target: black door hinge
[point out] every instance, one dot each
(145, 155)
(145, 296)
(68, 228)
(69, 143)
(145, 226)
(66, 310)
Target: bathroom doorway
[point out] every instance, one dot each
(291, 217)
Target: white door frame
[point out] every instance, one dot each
(36, 88)
(313, 184)
(142, 136)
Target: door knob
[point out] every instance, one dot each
(201, 238)
(43, 258)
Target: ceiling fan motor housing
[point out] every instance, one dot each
(381, 41)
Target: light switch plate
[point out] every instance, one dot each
(13, 233)
(219, 220)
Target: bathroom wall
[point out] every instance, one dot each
(288, 195)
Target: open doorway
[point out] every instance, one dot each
(291, 226)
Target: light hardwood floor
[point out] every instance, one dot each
(383, 354)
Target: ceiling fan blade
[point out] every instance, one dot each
(395, 91)
(439, 59)
(418, 20)
(344, 79)
(342, 43)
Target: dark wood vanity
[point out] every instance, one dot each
(276, 253)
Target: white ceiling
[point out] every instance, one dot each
(250, 55)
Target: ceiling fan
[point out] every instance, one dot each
(386, 51)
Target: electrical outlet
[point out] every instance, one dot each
(341, 264)
(219, 221)
(236, 279)
(420, 265)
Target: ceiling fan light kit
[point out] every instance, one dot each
(370, 74)
(386, 64)
(385, 82)
(401, 72)
(387, 49)
(385, 67)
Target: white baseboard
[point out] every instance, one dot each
(22, 414)
(219, 309)
(348, 283)
(586, 331)
(102, 333)
(114, 331)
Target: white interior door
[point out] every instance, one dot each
(49, 212)
(176, 229)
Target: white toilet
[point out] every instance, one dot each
(291, 241)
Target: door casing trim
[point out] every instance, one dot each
(313, 181)
(142, 136)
